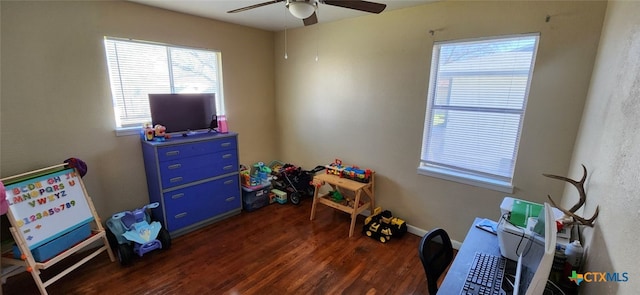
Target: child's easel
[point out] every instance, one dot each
(37, 203)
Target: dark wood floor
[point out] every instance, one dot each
(274, 250)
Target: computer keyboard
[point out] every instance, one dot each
(485, 275)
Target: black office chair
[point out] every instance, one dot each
(436, 253)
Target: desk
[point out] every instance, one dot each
(476, 240)
(342, 185)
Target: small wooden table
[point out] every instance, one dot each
(341, 185)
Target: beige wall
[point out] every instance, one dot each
(609, 145)
(56, 100)
(364, 100)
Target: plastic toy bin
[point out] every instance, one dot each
(58, 245)
(255, 197)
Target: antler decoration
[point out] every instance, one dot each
(583, 197)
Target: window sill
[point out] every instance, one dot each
(128, 131)
(474, 180)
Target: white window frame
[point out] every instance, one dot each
(428, 166)
(130, 130)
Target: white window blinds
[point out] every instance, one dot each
(137, 68)
(477, 97)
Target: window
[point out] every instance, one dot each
(137, 68)
(475, 107)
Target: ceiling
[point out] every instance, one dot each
(272, 17)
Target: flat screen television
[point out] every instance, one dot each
(183, 113)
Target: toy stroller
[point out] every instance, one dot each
(295, 181)
(131, 232)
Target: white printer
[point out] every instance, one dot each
(518, 218)
(517, 221)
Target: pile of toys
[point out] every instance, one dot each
(294, 181)
(154, 133)
(349, 172)
(382, 226)
(257, 175)
(337, 197)
(256, 186)
(276, 182)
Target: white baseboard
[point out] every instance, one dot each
(421, 232)
(418, 231)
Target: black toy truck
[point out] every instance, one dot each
(381, 225)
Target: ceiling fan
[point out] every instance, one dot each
(306, 9)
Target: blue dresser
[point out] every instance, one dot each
(195, 179)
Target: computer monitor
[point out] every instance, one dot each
(534, 263)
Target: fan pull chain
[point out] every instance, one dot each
(285, 34)
(317, 34)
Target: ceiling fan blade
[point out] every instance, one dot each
(313, 19)
(254, 6)
(358, 5)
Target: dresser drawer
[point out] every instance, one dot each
(183, 171)
(180, 151)
(199, 202)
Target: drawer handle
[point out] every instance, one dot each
(230, 181)
(175, 179)
(225, 144)
(172, 153)
(175, 166)
(227, 156)
(229, 199)
(177, 196)
(228, 167)
(183, 214)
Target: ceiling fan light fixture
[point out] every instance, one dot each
(301, 8)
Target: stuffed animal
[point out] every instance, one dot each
(78, 164)
(148, 131)
(160, 132)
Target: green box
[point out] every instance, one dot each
(522, 210)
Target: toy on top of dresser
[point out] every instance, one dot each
(154, 133)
